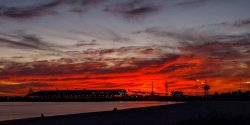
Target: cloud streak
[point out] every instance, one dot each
(32, 42)
(30, 11)
(46, 8)
(133, 10)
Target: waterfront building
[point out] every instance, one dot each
(78, 94)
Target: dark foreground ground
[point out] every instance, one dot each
(191, 113)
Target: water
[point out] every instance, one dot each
(18, 110)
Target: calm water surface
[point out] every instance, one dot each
(18, 110)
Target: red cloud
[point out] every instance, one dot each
(221, 70)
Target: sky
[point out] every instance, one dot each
(124, 44)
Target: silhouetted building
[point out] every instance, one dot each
(177, 94)
(78, 94)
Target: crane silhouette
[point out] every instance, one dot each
(205, 86)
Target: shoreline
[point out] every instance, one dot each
(25, 110)
(165, 114)
(87, 113)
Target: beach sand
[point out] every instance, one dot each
(157, 115)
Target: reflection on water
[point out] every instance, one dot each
(17, 110)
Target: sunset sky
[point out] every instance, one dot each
(123, 44)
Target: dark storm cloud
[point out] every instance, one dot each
(133, 9)
(28, 42)
(30, 11)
